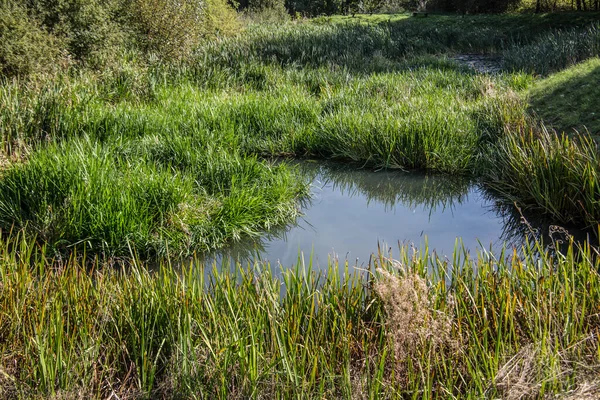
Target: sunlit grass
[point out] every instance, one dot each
(464, 326)
(379, 94)
(156, 196)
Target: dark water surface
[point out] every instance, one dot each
(353, 211)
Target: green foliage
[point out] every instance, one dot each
(262, 5)
(151, 196)
(163, 160)
(548, 174)
(25, 47)
(167, 27)
(318, 7)
(172, 29)
(473, 6)
(555, 51)
(219, 20)
(477, 323)
(37, 34)
(358, 92)
(90, 28)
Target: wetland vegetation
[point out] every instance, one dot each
(128, 140)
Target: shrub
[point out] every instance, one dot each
(91, 29)
(174, 29)
(219, 19)
(25, 47)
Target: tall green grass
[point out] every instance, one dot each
(555, 51)
(543, 172)
(466, 326)
(152, 160)
(154, 196)
(358, 44)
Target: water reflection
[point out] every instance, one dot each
(520, 226)
(388, 187)
(355, 211)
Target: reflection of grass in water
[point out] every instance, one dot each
(251, 249)
(518, 226)
(392, 187)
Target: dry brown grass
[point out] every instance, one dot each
(524, 374)
(413, 325)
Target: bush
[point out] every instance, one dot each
(173, 29)
(91, 29)
(219, 19)
(34, 33)
(25, 47)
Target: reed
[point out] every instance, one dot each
(417, 324)
(548, 173)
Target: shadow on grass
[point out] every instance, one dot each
(358, 43)
(568, 100)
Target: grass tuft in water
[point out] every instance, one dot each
(547, 173)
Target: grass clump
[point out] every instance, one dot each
(422, 325)
(549, 174)
(421, 119)
(167, 199)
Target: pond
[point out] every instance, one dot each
(353, 212)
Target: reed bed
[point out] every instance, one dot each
(417, 324)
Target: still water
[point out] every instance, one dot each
(353, 212)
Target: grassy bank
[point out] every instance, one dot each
(381, 93)
(464, 327)
(567, 100)
(208, 139)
